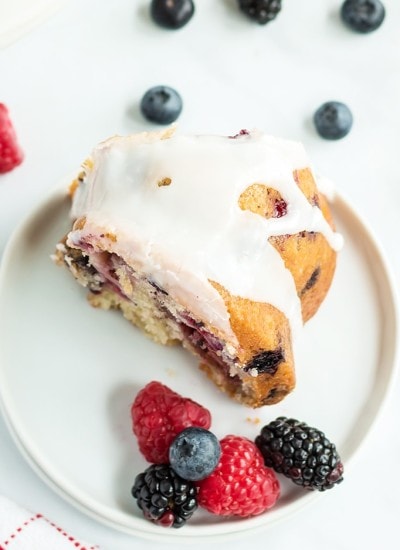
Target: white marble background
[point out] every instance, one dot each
(78, 77)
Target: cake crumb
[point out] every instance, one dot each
(110, 236)
(79, 223)
(164, 182)
(73, 187)
(171, 372)
(256, 420)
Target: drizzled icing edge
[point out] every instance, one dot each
(192, 231)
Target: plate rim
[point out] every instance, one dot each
(221, 531)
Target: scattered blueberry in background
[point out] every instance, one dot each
(171, 14)
(333, 120)
(363, 16)
(194, 453)
(161, 104)
(261, 11)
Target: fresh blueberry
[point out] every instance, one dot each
(161, 104)
(194, 453)
(172, 14)
(363, 15)
(333, 120)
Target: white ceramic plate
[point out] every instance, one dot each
(69, 373)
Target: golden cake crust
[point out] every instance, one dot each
(265, 349)
(307, 255)
(259, 326)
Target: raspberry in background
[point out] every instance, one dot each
(11, 154)
(158, 415)
(241, 485)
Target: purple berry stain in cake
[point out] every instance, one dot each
(280, 208)
(266, 362)
(312, 280)
(239, 134)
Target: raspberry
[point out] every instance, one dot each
(159, 415)
(10, 153)
(241, 485)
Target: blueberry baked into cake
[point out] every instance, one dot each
(222, 244)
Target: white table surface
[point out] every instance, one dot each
(78, 78)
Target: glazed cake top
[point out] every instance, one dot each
(172, 203)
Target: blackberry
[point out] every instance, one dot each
(261, 11)
(301, 453)
(363, 16)
(164, 497)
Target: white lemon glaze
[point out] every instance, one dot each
(172, 201)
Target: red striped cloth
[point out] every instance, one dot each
(24, 530)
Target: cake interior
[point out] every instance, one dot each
(113, 284)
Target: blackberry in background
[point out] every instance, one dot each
(261, 11)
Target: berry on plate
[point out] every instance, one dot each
(333, 120)
(161, 104)
(159, 415)
(11, 154)
(240, 485)
(172, 14)
(301, 453)
(164, 497)
(194, 453)
(261, 11)
(363, 16)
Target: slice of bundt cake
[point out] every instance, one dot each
(222, 244)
